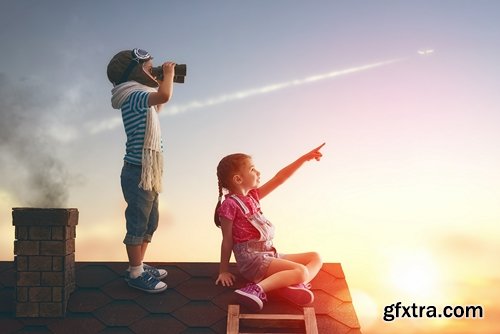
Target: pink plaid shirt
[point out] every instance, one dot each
(243, 230)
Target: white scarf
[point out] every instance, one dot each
(152, 158)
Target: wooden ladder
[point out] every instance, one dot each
(256, 320)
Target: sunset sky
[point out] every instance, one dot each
(406, 197)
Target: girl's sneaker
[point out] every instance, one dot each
(148, 283)
(252, 296)
(299, 294)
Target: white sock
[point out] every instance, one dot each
(135, 271)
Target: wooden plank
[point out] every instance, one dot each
(259, 320)
(310, 320)
(306, 321)
(233, 319)
(272, 323)
(272, 316)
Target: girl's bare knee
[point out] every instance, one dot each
(315, 257)
(302, 273)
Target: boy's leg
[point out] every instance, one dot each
(137, 276)
(154, 217)
(144, 247)
(137, 213)
(135, 255)
(135, 267)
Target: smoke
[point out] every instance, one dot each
(30, 168)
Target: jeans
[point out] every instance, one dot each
(141, 213)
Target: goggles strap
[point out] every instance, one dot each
(127, 71)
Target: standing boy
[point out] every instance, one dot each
(140, 96)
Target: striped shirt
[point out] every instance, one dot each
(134, 114)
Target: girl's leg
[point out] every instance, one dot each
(291, 269)
(282, 273)
(311, 260)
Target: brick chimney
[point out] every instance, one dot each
(44, 252)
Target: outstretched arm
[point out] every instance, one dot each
(286, 172)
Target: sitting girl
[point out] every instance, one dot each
(247, 233)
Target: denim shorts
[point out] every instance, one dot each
(253, 258)
(141, 213)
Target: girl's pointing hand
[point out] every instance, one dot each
(314, 154)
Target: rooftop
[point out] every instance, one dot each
(103, 303)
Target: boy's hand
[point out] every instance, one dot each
(168, 70)
(314, 154)
(226, 279)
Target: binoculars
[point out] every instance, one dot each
(180, 71)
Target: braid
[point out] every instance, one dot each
(226, 169)
(216, 216)
(220, 191)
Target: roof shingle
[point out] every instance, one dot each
(103, 303)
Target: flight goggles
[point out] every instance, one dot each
(140, 55)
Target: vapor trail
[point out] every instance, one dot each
(272, 88)
(116, 121)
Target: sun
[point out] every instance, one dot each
(366, 308)
(415, 275)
